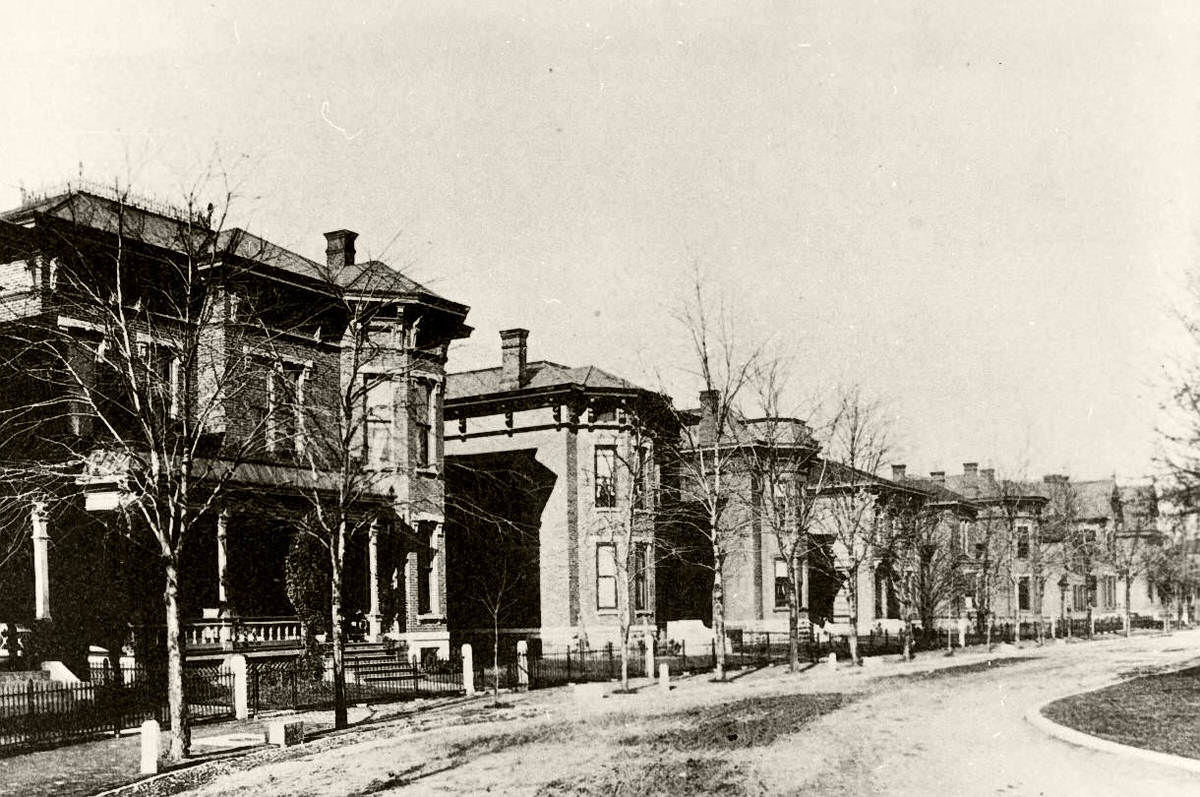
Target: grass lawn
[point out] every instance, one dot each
(1156, 712)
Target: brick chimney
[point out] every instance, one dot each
(513, 354)
(710, 403)
(938, 476)
(339, 248)
(970, 473)
(898, 473)
(988, 474)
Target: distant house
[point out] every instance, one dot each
(541, 461)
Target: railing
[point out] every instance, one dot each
(12, 642)
(238, 632)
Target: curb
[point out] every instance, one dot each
(1047, 726)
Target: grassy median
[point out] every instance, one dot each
(1155, 712)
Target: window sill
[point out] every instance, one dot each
(426, 470)
(431, 618)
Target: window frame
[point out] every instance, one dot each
(781, 596)
(371, 423)
(605, 499)
(602, 578)
(641, 576)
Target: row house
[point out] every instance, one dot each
(554, 477)
(276, 338)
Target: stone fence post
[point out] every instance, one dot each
(523, 665)
(468, 672)
(241, 685)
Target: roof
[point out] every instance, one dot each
(167, 228)
(985, 489)
(939, 492)
(539, 375)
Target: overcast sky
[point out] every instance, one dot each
(982, 213)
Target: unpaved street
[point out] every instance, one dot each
(891, 728)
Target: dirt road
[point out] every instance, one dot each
(891, 729)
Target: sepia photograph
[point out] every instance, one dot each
(599, 398)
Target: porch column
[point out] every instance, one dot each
(41, 561)
(375, 615)
(223, 560)
(804, 583)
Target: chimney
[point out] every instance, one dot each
(339, 248)
(710, 402)
(988, 474)
(970, 473)
(513, 351)
(898, 473)
(938, 476)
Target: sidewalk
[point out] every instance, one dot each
(84, 769)
(92, 767)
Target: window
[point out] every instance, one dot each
(425, 570)
(641, 577)
(606, 476)
(1022, 542)
(643, 496)
(783, 584)
(377, 414)
(257, 403)
(161, 374)
(1079, 597)
(285, 400)
(422, 409)
(1023, 593)
(606, 575)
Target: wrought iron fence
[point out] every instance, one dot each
(291, 684)
(39, 713)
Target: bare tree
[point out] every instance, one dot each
(1082, 548)
(349, 437)
(928, 558)
(628, 533)
(134, 371)
(787, 481)
(1135, 545)
(851, 509)
(707, 454)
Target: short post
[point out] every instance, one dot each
(241, 685)
(649, 656)
(468, 667)
(1092, 627)
(664, 678)
(523, 665)
(151, 742)
(1053, 628)
(1165, 624)
(962, 633)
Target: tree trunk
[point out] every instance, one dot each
(496, 657)
(908, 638)
(625, 662)
(181, 731)
(1125, 613)
(336, 557)
(852, 596)
(793, 616)
(718, 607)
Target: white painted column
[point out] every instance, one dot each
(804, 584)
(375, 614)
(223, 560)
(41, 561)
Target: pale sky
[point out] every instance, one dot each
(982, 213)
